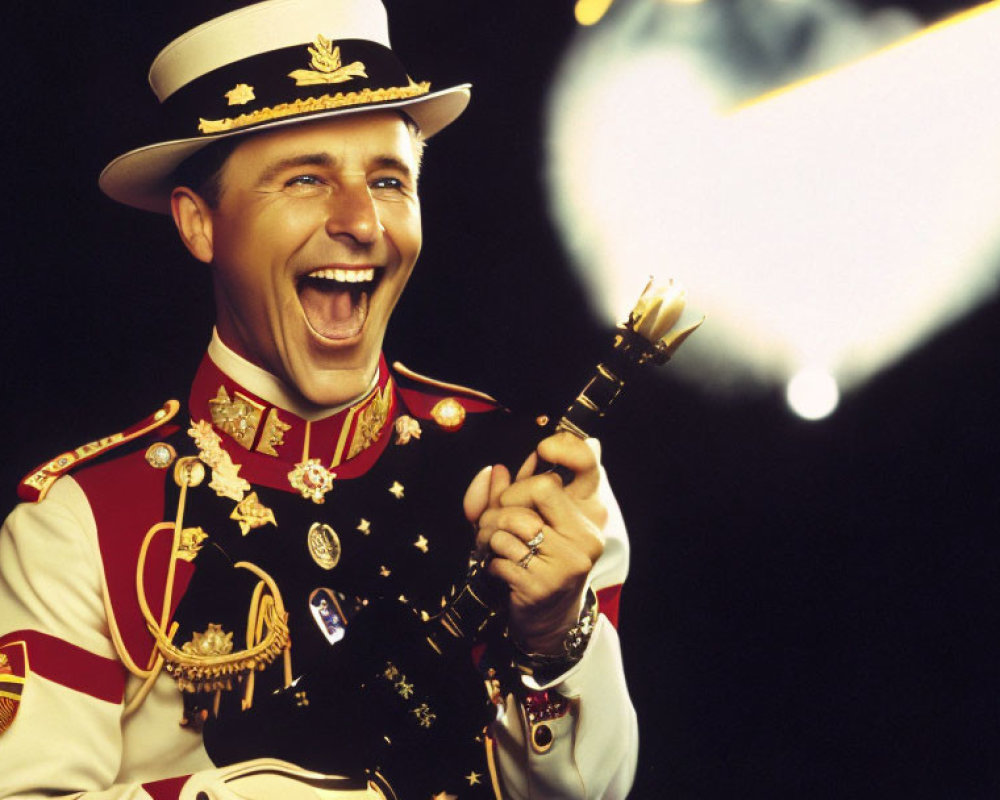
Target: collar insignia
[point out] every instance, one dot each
(239, 417)
(371, 420)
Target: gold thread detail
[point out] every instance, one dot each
(327, 66)
(307, 105)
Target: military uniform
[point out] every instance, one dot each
(210, 557)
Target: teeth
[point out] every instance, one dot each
(345, 275)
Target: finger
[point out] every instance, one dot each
(499, 481)
(522, 522)
(579, 457)
(505, 544)
(477, 496)
(528, 467)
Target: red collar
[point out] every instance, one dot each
(268, 441)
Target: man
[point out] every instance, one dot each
(170, 580)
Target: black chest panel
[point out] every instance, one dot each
(354, 572)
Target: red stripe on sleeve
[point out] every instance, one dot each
(71, 666)
(608, 599)
(166, 789)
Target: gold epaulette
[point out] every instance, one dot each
(37, 483)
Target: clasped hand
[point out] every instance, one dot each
(547, 582)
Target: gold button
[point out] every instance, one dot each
(449, 414)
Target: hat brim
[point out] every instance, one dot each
(142, 177)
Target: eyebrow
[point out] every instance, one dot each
(305, 160)
(326, 160)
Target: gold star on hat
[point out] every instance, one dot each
(240, 94)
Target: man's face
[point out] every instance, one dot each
(315, 234)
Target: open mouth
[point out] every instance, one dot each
(336, 301)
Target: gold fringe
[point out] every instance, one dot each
(194, 673)
(324, 102)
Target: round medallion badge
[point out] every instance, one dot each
(324, 545)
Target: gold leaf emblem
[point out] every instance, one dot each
(226, 481)
(213, 642)
(250, 513)
(190, 543)
(327, 67)
(240, 94)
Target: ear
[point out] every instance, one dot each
(193, 218)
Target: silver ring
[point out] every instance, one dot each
(523, 563)
(537, 540)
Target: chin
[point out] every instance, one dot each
(334, 386)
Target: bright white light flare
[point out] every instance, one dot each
(812, 394)
(833, 225)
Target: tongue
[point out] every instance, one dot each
(334, 313)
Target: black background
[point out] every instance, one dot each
(812, 608)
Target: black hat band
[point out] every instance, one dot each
(290, 82)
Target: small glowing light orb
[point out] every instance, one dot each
(812, 393)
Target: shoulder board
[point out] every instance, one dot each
(37, 483)
(422, 394)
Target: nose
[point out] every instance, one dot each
(352, 213)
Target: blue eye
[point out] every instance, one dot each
(387, 183)
(305, 186)
(303, 180)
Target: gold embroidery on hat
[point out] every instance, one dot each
(273, 435)
(239, 417)
(306, 105)
(327, 66)
(371, 420)
(240, 94)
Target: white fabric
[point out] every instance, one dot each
(267, 387)
(62, 741)
(261, 28)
